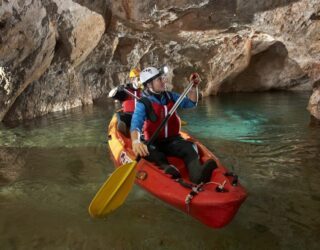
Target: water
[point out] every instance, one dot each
(50, 168)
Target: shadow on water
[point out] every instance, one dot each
(50, 169)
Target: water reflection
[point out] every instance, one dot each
(50, 169)
(61, 129)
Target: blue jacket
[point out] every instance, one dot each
(139, 115)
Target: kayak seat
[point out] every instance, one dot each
(123, 123)
(123, 129)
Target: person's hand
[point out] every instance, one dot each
(195, 79)
(140, 148)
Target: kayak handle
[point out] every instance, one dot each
(235, 178)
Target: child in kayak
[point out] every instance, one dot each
(169, 141)
(127, 94)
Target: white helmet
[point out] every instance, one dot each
(148, 74)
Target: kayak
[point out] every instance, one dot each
(214, 203)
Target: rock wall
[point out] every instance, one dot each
(41, 44)
(27, 48)
(314, 104)
(55, 54)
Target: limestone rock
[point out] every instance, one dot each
(41, 36)
(235, 46)
(109, 64)
(270, 68)
(27, 40)
(79, 30)
(314, 102)
(41, 97)
(101, 7)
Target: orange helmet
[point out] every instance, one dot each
(134, 73)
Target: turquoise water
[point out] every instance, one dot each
(50, 168)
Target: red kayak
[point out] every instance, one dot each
(214, 203)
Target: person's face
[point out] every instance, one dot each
(159, 84)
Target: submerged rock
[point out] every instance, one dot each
(12, 161)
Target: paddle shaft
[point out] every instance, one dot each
(131, 94)
(185, 92)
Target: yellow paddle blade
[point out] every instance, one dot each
(114, 191)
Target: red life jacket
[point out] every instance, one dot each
(129, 104)
(171, 128)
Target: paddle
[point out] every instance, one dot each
(116, 188)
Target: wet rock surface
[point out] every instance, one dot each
(62, 54)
